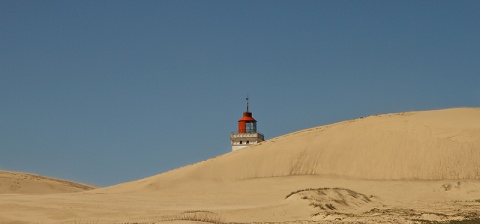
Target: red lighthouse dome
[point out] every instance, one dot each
(247, 124)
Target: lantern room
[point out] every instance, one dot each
(247, 124)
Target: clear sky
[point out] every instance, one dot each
(104, 92)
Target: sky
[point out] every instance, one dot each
(105, 92)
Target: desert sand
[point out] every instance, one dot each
(26, 183)
(412, 167)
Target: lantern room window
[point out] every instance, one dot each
(251, 127)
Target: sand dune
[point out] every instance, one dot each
(427, 145)
(391, 168)
(442, 144)
(25, 183)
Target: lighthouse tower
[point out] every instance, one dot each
(247, 134)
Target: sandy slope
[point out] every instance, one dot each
(429, 145)
(25, 183)
(393, 168)
(255, 200)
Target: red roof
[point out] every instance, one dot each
(247, 116)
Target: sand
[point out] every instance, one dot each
(26, 183)
(391, 168)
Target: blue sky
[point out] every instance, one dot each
(104, 92)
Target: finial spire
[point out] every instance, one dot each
(247, 103)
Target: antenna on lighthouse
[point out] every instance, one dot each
(247, 103)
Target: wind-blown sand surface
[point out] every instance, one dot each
(25, 183)
(392, 168)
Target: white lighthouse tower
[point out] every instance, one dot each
(247, 134)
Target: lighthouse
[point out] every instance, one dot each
(247, 134)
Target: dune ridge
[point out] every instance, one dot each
(424, 145)
(26, 183)
(392, 168)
